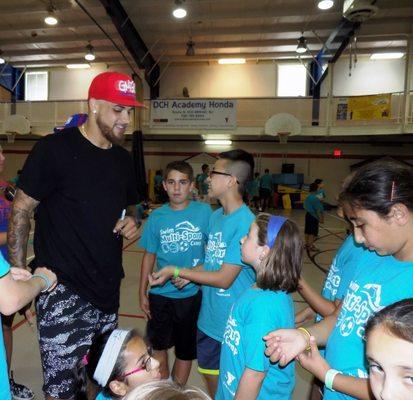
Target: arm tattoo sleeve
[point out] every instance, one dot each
(19, 228)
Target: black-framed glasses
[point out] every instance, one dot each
(221, 173)
(147, 365)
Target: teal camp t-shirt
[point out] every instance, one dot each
(158, 179)
(256, 313)
(312, 204)
(321, 194)
(266, 181)
(378, 282)
(177, 237)
(225, 233)
(4, 378)
(203, 184)
(102, 396)
(341, 270)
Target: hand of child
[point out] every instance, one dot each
(284, 345)
(20, 274)
(160, 277)
(144, 304)
(304, 316)
(313, 362)
(180, 282)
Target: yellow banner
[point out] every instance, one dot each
(375, 107)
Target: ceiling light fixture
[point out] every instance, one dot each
(179, 12)
(325, 4)
(50, 19)
(90, 55)
(190, 48)
(77, 66)
(386, 56)
(231, 61)
(302, 45)
(218, 142)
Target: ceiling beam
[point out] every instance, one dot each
(62, 24)
(40, 39)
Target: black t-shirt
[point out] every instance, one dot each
(82, 191)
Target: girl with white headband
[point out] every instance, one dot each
(116, 363)
(274, 249)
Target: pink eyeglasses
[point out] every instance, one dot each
(147, 365)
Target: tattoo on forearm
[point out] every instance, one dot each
(19, 228)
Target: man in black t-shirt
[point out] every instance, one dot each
(81, 181)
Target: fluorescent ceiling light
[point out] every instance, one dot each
(386, 56)
(325, 4)
(231, 61)
(77, 66)
(218, 142)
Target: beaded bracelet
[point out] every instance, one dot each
(45, 279)
(307, 332)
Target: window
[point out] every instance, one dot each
(291, 80)
(36, 85)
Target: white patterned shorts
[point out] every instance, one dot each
(66, 327)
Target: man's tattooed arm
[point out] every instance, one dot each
(19, 228)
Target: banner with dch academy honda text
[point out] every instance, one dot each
(194, 114)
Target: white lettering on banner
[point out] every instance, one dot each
(232, 336)
(180, 238)
(358, 305)
(126, 86)
(193, 113)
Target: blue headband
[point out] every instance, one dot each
(274, 225)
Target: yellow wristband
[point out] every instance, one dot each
(307, 332)
(176, 272)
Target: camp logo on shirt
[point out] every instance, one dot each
(229, 378)
(333, 279)
(358, 305)
(231, 335)
(180, 238)
(216, 249)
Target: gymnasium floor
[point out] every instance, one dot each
(26, 360)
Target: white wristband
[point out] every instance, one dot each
(329, 378)
(45, 279)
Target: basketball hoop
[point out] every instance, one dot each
(282, 125)
(283, 137)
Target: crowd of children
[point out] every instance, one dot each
(216, 286)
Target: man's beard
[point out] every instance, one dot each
(107, 132)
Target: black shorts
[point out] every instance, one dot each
(311, 225)
(173, 323)
(265, 193)
(67, 325)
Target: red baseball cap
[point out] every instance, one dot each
(114, 87)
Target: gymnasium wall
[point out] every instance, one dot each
(314, 160)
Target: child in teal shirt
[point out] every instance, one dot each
(174, 234)
(274, 249)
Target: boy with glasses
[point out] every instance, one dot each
(174, 234)
(224, 276)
